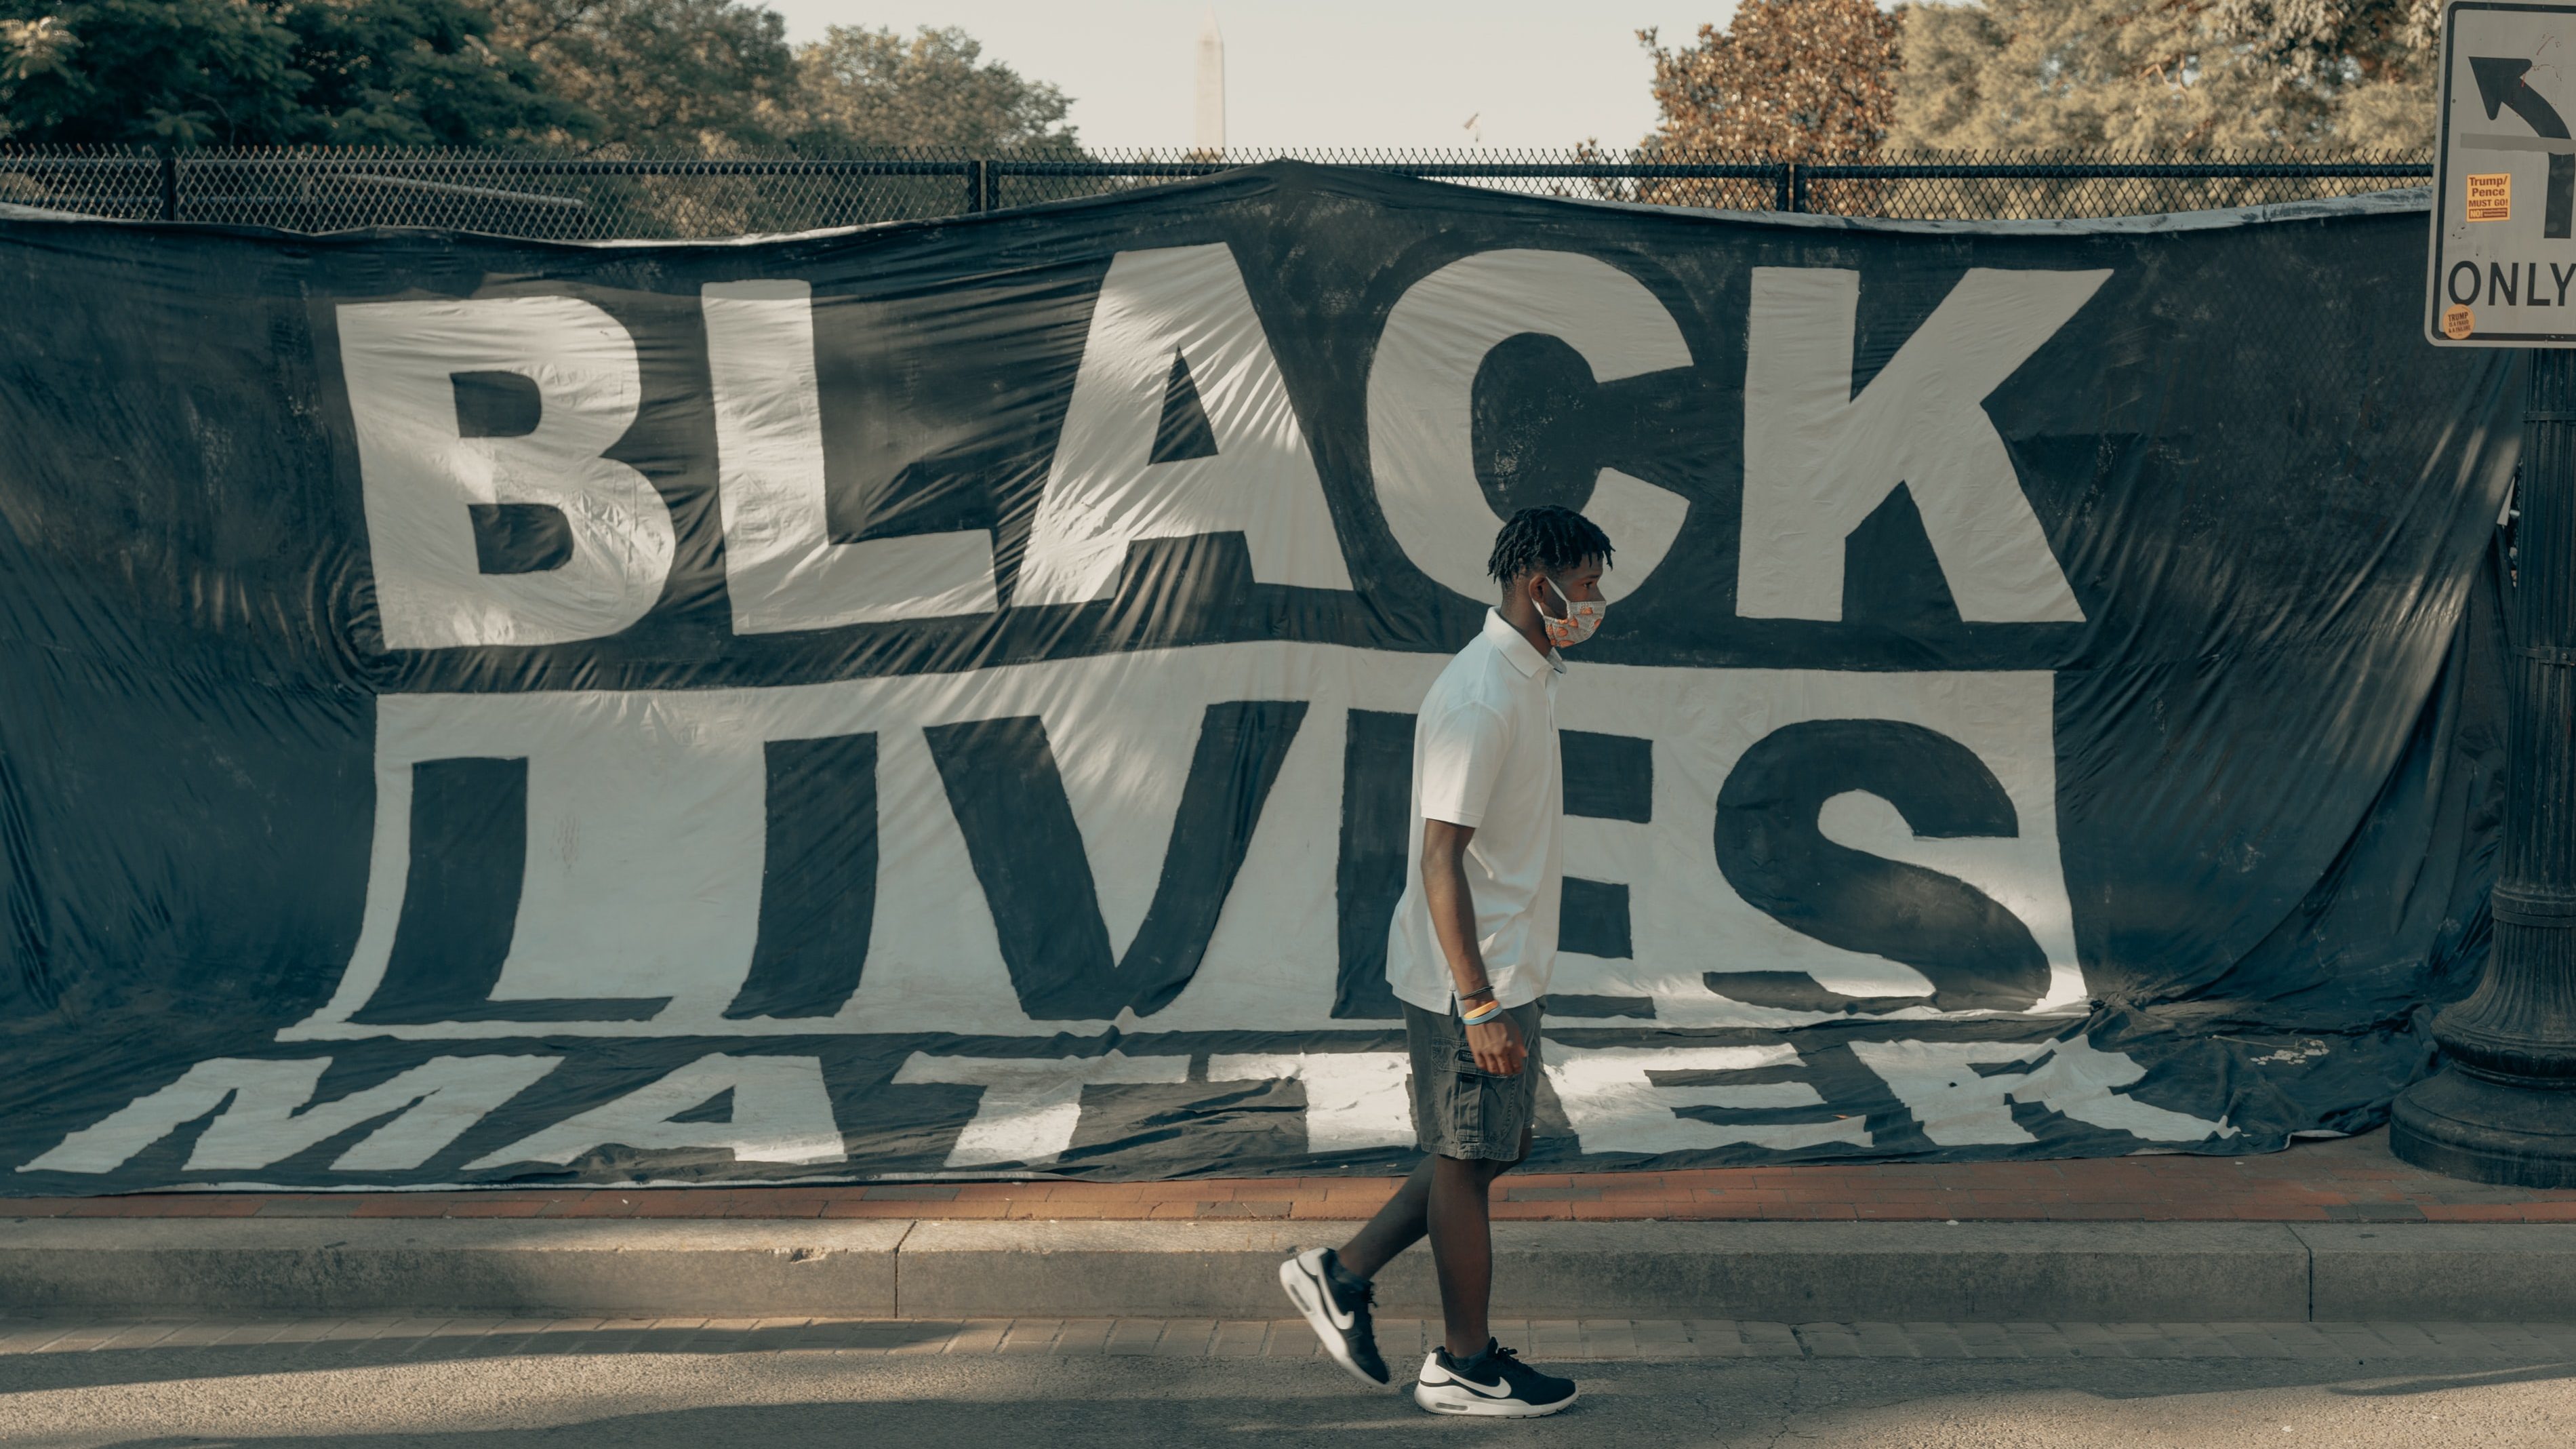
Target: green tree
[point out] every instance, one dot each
(703, 76)
(2160, 75)
(1801, 80)
(876, 89)
(2375, 59)
(265, 72)
(419, 73)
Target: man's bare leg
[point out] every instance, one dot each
(1462, 1248)
(1446, 1198)
(1397, 1226)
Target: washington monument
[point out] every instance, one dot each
(1208, 134)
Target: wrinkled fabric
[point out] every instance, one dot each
(937, 698)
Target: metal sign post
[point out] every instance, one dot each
(2503, 1107)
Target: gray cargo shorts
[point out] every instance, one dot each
(1459, 1110)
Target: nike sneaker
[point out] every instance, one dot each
(1336, 1302)
(1494, 1384)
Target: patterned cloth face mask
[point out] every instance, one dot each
(1579, 621)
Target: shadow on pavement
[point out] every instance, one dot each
(2438, 1383)
(99, 1367)
(1739, 1404)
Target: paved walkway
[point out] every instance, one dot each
(2342, 1180)
(1142, 1384)
(394, 1339)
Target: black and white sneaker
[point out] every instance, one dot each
(1337, 1303)
(1494, 1384)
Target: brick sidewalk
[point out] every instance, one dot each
(2345, 1180)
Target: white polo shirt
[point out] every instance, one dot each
(1485, 755)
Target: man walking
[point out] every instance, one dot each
(1468, 955)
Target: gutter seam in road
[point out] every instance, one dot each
(2310, 1250)
(896, 1295)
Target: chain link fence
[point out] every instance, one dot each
(665, 198)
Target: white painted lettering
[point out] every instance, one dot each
(422, 478)
(1958, 1106)
(1421, 404)
(268, 1114)
(1353, 1099)
(1818, 461)
(1031, 1105)
(781, 1113)
(1615, 1105)
(1165, 315)
(782, 570)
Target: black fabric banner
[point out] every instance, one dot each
(937, 698)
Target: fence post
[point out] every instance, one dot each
(1781, 199)
(979, 186)
(169, 184)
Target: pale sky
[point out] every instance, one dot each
(1400, 73)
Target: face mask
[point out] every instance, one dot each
(1579, 621)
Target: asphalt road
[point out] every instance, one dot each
(2408, 1388)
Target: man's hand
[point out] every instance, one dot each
(1498, 1047)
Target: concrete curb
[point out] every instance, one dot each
(603, 1268)
(2453, 1272)
(1771, 1272)
(1763, 1271)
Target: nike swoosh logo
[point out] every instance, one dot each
(1500, 1390)
(1332, 1310)
(1324, 1295)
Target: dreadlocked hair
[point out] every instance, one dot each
(1547, 539)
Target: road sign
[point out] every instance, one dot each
(2504, 197)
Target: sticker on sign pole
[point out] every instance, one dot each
(2504, 193)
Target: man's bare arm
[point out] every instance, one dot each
(1496, 1043)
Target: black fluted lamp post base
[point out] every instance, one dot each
(2468, 1126)
(2503, 1107)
